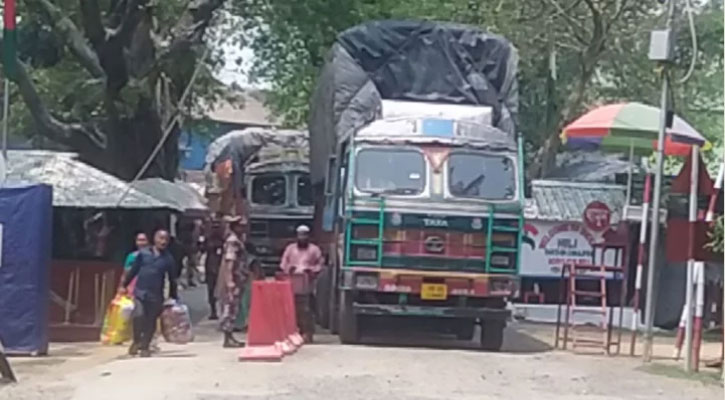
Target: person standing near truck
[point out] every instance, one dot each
(303, 257)
(233, 276)
(213, 247)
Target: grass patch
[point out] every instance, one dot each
(705, 376)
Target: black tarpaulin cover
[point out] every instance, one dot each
(243, 146)
(408, 60)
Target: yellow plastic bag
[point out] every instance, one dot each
(117, 322)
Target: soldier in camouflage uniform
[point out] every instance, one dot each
(233, 276)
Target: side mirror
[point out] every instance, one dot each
(331, 175)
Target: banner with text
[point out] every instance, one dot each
(547, 246)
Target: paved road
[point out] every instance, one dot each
(426, 369)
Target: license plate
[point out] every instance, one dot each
(433, 291)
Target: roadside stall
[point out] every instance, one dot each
(92, 232)
(557, 232)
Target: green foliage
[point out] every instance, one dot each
(72, 94)
(716, 236)
(290, 39)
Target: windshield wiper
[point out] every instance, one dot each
(474, 184)
(395, 191)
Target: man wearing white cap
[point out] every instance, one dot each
(303, 257)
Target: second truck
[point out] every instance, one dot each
(418, 174)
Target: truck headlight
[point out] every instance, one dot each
(366, 253)
(502, 286)
(396, 219)
(262, 250)
(366, 281)
(500, 260)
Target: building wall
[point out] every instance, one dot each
(193, 142)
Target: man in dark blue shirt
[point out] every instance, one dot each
(152, 266)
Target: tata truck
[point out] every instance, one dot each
(418, 174)
(265, 174)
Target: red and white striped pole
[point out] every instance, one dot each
(699, 307)
(686, 319)
(694, 180)
(700, 276)
(641, 251)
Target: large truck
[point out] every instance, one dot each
(262, 175)
(418, 174)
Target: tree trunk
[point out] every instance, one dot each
(121, 50)
(547, 154)
(131, 141)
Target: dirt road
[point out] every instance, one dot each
(528, 369)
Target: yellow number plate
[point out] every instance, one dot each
(433, 291)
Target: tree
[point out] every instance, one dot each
(104, 77)
(716, 243)
(573, 54)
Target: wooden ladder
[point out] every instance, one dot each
(589, 336)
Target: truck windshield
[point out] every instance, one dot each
(394, 171)
(481, 176)
(269, 190)
(304, 191)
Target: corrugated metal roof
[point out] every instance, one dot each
(590, 166)
(180, 193)
(566, 201)
(245, 108)
(75, 183)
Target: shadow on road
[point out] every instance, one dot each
(516, 340)
(519, 338)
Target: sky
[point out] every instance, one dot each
(231, 72)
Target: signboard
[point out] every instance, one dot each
(597, 216)
(547, 246)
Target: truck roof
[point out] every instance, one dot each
(447, 132)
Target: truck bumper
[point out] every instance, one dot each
(423, 311)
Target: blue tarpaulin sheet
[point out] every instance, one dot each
(26, 217)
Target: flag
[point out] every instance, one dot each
(9, 39)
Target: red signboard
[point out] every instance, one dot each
(597, 216)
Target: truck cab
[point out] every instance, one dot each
(279, 198)
(428, 215)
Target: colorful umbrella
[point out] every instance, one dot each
(629, 126)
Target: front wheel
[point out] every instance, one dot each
(492, 335)
(347, 322)
(465, 329)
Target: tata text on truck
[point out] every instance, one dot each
(415, 156)
(273, 190)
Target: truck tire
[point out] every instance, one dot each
(465, 329)
(334, 314)
(348, 329)
(492, 335)
(322, 299)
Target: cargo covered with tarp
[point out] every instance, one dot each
(411, 61)
(229, 155)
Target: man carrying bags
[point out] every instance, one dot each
(151, 267)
